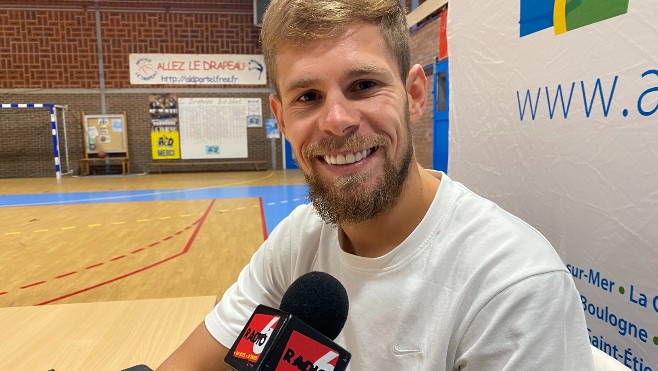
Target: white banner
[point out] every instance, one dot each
(197, 69)
(553, 115)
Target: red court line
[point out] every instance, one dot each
(4, 292)
(136, 251)
(95, 265)
(188, 246)
(33, 284)
(154, 243)
(167, 238)
(262, 218)
(188, 227)
(66, 274)
(117, 258)
(179, 232)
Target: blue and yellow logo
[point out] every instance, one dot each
(566, 15)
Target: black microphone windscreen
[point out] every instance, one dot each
(318, 299)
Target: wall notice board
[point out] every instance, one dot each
(107, 133)
(212, 128)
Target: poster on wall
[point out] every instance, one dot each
(165, 139)
(215, 127)
(272, 129)
(197, 69)
(254, 113)
(553, 113)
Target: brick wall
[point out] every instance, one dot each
(172, 33)
(58, 48)
(424, 46)
(26, 149)
(50, 56)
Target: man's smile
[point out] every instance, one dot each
(348, 158)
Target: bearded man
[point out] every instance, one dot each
(437, 277)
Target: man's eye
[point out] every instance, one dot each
(308, 97)
(366, 84)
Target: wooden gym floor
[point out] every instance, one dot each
(90, 239)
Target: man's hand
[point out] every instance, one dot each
(199, 352)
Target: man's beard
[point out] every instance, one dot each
(346, 201)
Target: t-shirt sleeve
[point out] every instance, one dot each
(262, 281)
(535, 324)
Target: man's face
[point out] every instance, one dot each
(345, 111)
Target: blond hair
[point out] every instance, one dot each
(296, 22)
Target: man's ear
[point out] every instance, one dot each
(277, 108)
(416, 92)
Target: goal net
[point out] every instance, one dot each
(34, 140)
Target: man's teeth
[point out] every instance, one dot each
(349, 158)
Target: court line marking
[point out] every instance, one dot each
(33, 284)
(95, 265)
(66, 274)
(96, 225)
(149, 193)
(188, 246)
(263, 220)
(102, 263)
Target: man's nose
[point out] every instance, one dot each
(339, 117)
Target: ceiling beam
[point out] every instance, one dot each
(423, 10)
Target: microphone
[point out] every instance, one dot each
(299, 335)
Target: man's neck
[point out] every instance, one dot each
(377, 237)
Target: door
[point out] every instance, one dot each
(441, 106)
(288, 156)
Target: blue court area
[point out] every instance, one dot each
(278, 201)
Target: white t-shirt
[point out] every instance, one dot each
(471, 288)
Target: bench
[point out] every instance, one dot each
(87, 163)
(162, 164)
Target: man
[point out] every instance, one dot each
(437, 277)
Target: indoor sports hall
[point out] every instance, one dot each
(140, 168)
(141, 164)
